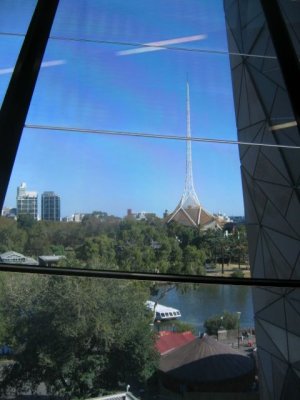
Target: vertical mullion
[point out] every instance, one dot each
(20, 90)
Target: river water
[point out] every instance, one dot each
(196, 305)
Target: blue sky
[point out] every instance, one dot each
(93, 86)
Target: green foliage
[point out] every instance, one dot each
(238, 273)
(174, 326)
(213, 324)
(57, 249)
(11, 237)
(26, 222)
(193, 260)
(107, 242)
(78, 336)
(38, 240)
(73, 334)
(180, 326)
(226, 321)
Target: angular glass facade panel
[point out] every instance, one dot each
(266, 112)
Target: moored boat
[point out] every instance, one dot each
(162, 313)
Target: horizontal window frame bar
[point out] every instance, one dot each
(146, 276)
(147, 45)
(154, 136)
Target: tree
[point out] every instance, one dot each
(238, 273)
(175, 257)
(38, 241)
(226, 321)
(98, 252)
(11, 237)
(78, 336)
(88, 251)
(26, 221)
(185, 234)
(193, 260)
(239, 245)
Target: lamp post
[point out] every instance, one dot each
(222, 249)
(221, 327)
(238, 313)
(239, 250)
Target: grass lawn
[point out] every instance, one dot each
(228, 270)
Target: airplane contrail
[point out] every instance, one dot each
(45, 64)
(146, 47)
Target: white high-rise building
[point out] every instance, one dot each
(27, 202)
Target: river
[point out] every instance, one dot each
(196, 305)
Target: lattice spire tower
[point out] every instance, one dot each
(189, 210)
(189, 197)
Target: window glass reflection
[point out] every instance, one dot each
(81, 201)
(82, 337)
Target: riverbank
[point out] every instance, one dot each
(228, 270)
(202, 301)
(244, 339)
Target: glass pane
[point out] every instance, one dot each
(58, 339)
(15, 16)
(120, 196)
(113, 200)
(143, 22)
(119, 200)
(97, 80)
(9, 48)
(94, 86)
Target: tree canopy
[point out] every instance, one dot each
(227, 321)
(83, 336)
(105, 242)
(79, 337)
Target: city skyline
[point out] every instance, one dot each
(140, 91)
(39, 199)
(27, 203)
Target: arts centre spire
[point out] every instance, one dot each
(189, 210)
(189, 197)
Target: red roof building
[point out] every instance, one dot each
(168, 341)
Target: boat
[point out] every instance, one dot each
(162, 313)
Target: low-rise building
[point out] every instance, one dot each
(8, 212)
(12, 257)
(117, 396)
(140, 216)
(76, 217)
(49, 261)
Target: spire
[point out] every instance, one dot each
(189, 197)
(189, 211)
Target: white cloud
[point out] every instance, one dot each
(45, 64)
(146, 47)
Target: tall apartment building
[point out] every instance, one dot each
(50, 206)
(27, 202)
